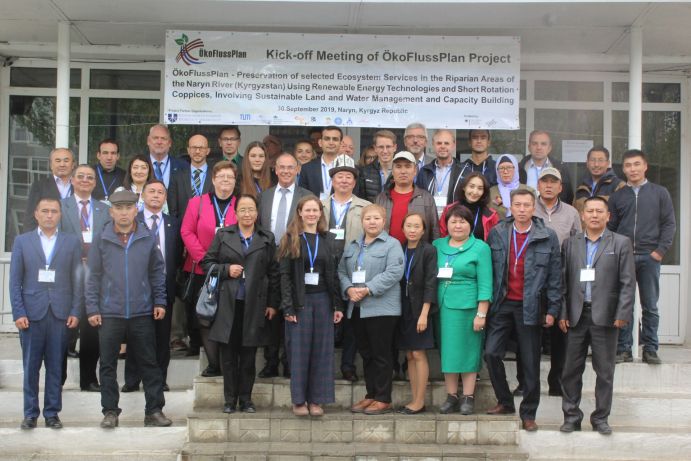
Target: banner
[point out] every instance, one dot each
(243, 78)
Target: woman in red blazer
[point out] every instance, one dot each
(204, 215)
(474, 195)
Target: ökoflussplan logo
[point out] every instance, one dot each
(186, 47)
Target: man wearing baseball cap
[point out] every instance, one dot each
(125, 294)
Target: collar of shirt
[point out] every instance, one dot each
(148, 214)
(290, 188)
(589, 240)
(638, 187)
(154, 159)
(45, 237)
(203, 168)
(78, 199)
(328, 165)
(60, 183)
(524, 232)
(532, 164)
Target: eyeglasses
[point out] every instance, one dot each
(505, 168)
(246, 211)
(225, 177)
(230, 139)
(197, 147)
(88, 177)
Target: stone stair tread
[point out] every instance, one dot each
(339, 414)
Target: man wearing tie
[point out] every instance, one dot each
(276, 209)
(193, 181)
(85, 217)
(45, 292)
(166, 230)
(159, 143)
(57, 185)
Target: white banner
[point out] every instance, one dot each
(243, 78)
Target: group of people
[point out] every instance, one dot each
(412, 251)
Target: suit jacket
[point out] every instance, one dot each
(173, 250)
(311, 174)
(31, 298)
(266, 202)
(180, 190)
(43, 188)
(612, 292)
(71, 214)
(175, 166)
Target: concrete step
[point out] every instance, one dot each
(339, 427)
(282, 451)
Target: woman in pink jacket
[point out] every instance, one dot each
(204, 216)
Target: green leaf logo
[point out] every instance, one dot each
(185, 38)
(180, 41)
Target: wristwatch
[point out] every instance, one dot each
(481, 315)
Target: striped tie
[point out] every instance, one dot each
(197, 182)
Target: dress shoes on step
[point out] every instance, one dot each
(157, 419)
(28, 423)
(247, 407)
(229, 408)
(268, 372)
(650, 357)
(407, 411)
(361, 405)
(53, 422)
(602, 428)
(500, 409)
(110, 420)
(570, 427)
(624, 357)
(211, 372)
(378, 408)
(529, 425)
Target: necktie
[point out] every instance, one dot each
(157, 171)
(197, 182)
(281, 215)
(84, 224)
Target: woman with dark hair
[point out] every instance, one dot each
(465, 289)
(205, 216)
(474, 195)
(507, 180)
(248, 297)
(139, 172)
(256, 174)
(418, 304)
(311, 304)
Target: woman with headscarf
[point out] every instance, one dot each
(507, 180)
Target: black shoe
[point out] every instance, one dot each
(157, 419)
(73, 354)
(127, 388)
(192, 352)
(92, 387)
(165, 387)
(467, 405)
(602, 428)
(247, 407)
(349, 375)
(518, 392)
(229, 408)
(268, 372)
(556, 392)
(28, 423)
(53, 422)
(570, 427)
(210, 372)
(110, 420)
(624, 357)
(407, 411)
(451, 405)
(651, 358)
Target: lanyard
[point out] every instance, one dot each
(484, 167)
(515, 248)
(361, 254)
(88, 216)
(221, 217)
(256, 186)
(592, 189)
(202, 178)
(49, 258)
(410, 264)
(99, 170)
(449, 259)
(589, 255)
(440, 185)
(247, 241)
(312, 258)
(326, 179)
(339, 219)
(477, 215)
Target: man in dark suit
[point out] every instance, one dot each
(108, 175)
(57, 185)
(599, 288)
(314, 175)
(192, 181)
(45, 292)
(85, 217)
(276, 209)
(165, 165)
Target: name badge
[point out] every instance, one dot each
(87, 236)
(445, 273)
(588, 275)
(338, 233)
(359, 276)
(311, 278)
(46, 275)
(323, 195)
(440, 201)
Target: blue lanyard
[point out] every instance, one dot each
(589, 255)
(221, 217)
(49, 258)
(248, 240)
(88, 217)
(256, 186)
(326, 179)
(339, 219)
(361, 254)
(103, 184)
(202, 177)
(410, 264)
(383, 179)
(449, 259)
(477, 215)
(312, 258)
(515, 248)
(592, 189)
(440, 185)
(484, 167)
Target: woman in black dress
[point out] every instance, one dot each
(418, 299)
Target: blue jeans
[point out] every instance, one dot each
(648, 279)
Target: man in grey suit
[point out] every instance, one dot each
(599, 288)
(276, 209)
(85, 217)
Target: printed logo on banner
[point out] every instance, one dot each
(172, 117)
(186, 47)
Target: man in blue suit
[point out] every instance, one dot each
(45, 292)
(159, 143)
(166, 231)
(85, 217)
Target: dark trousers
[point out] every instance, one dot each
(374, 336)
(271, 353)
(162, 328)
(191, 312)
(237, 362)
(348, 345)
(603, 342)
(500, 324)
(88, 352)
(43, 343)
(140, 334)
(558, 355)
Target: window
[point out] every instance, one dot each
(38, 77)
(117, 79)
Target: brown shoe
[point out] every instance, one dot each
(361, 405)
(316, 410)
(529, 425)
(300, 410)
(378, 408)
(501, 410)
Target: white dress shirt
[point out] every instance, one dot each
(277, 199)
(47, 243)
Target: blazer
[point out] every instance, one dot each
(422, 284)
(31, 298)
(43, 188)
(176, 165)
(180, 190)
(173, 251)
(614, 288)
(71, 216)
(266, 202)
(199, 228)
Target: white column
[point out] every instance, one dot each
(62, 106)
(635, 127)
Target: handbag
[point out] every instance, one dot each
(207, 303)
